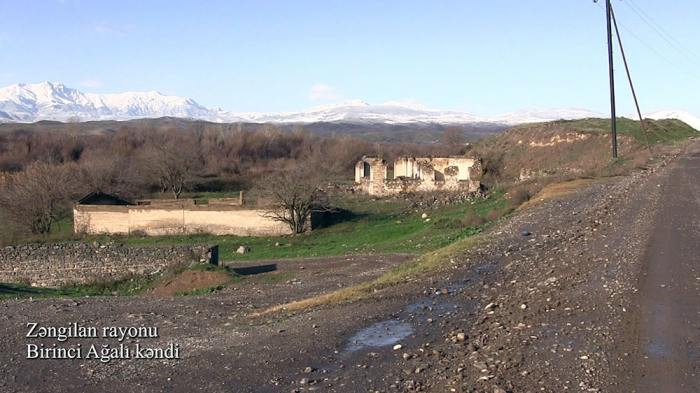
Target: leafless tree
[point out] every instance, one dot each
(453, 136)
(176, 160)
(109, 172)
(40, 196)
(292, 195)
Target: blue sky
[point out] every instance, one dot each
(481, 56)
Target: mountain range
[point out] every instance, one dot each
(27, 103)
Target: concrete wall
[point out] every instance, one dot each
(54, 265)
(101, 219)
(173, 219)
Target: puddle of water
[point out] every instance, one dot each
(390, 332)
(381, 334)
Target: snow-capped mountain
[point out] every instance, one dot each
(392, 112)
(28, 103)
(54, 101)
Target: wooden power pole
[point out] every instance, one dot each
(608, 12)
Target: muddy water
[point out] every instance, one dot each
(411, 322)
(380, 334)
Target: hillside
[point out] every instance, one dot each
(578, 147)
(399, 133)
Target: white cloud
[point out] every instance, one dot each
(91, 83)
(323, 92)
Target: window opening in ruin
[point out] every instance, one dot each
(367, 170)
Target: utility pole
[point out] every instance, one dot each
(612, 78)
(629, 78)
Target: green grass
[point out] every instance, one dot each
(61, 231)
(665, 131)
(128, 286)
(380, 226)
(423, 266)
(203, 291)
(132, 285)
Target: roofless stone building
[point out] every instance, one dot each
(419, 174)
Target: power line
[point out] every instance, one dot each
(648, 19)
(652, 49)
(662, 29)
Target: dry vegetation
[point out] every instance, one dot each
(144, 160)
(56, 168)
(573, 149)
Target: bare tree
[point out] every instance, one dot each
(292, 195)
(112, 173)
(40, 196)
(453, 136)
(176, 160)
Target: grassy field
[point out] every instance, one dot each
(370, 225)
(659, 131)
(424, 265)
(382, 225)
(125, 287)
(60, 232)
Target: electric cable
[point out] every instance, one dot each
(652, 49)
(642, 17)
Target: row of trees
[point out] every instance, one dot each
(47, 172)
(227, 149)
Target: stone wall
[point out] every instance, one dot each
(53, 265)
(419, 174)
(176, 219)
(449, 185)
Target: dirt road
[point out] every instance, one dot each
(669, 298)
(601, 297)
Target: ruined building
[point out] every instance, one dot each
(419, 174)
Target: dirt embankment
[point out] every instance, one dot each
(187, 281)
(568, 149)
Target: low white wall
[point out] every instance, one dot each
(170, 220)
